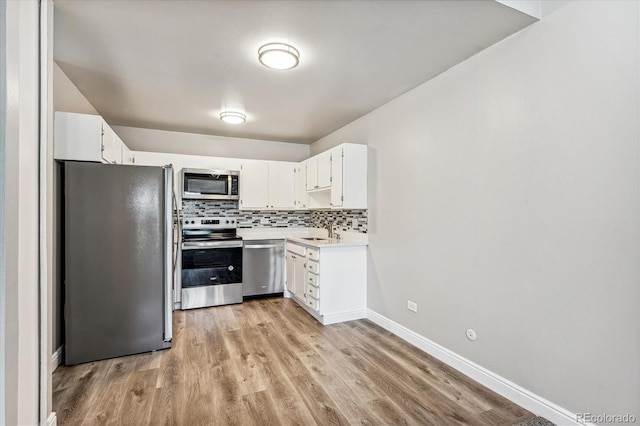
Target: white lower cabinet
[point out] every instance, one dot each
(329, 282)
(298, 272)
(296, 267)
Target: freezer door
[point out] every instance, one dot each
(114, 260)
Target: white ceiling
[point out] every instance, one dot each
(173, 65)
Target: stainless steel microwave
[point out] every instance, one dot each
(199, 184)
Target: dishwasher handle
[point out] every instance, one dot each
(261, 246)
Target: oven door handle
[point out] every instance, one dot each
(215, 244)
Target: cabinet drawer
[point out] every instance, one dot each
(313, 303)
(313, 280)
(313, 267)
(313, 253)
(294, 248)
(313, 291)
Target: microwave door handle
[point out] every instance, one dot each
(229, 181)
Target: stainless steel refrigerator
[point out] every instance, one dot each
(118, 232)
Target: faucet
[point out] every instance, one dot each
(329, 227)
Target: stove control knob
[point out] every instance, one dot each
(227, 221)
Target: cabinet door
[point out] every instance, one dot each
(336, 177)
(281, 185)
(301, 187)
(119, 148)
(111, 152)
(77, 137)
(354, 177)
(126, 155)
(291, 280)
(254, 182)
(107, 143)
(299, 276)
(324, 169)
(311, 167)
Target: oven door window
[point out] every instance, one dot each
(211, 266)
(206, 184)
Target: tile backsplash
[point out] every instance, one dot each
(347, 220)
(273, 219)
(202, 208)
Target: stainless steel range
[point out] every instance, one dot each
(211, 262)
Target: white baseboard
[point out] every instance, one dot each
(56, 360)
(526, 399)
(52, 420)
(344, 316)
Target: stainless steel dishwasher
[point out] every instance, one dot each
(263, 267)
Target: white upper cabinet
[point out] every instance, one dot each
(311, 172)
(281, 185)
(324, 170)
(85, 137)
(341, 178)
(349, 176)
(267, 185)
(319, 171)
(128, 157)
(300, 187)
(254, 185)
(337, 195)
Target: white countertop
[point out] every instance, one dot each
(330, 242)
(271, 233)
(348, 239)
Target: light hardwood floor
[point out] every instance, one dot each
(267, 362)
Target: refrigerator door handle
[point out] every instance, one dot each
(168, 253)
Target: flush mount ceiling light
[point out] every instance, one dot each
(279, 56)
(233, 117)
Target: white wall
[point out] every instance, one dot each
(68, 97)
(151, 140)
(46, 210)
(3, 274)
(21, 213)
(519, 212)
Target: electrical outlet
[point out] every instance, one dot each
(264, 221)
(412, 306)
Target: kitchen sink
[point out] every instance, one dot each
(313, 239)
